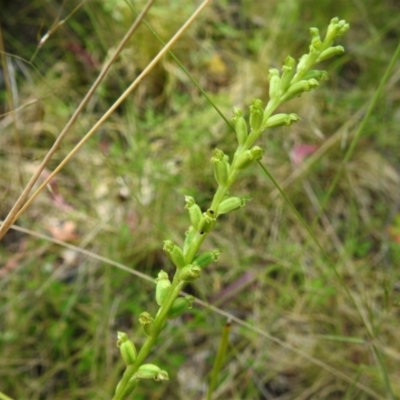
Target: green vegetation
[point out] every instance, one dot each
(307, 269)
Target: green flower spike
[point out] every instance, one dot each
(256, 115)
(162, 288)
(127, 348)
(190, 273)
(205, 259)
(151, 371)
(180, 306)
(292, 81)
(240, 126)
(147, 322)
(175, 253)
(221, 166)
(195, 213)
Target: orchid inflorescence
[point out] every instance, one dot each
(292, 81)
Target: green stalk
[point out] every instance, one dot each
(291, 85)
(123, 387)
(219, 359)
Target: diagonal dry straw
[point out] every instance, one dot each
(127, 92)
(19, 206)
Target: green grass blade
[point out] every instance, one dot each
(219, 359)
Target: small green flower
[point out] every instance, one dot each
(195, 213)
(151, 371)
(205, 259)
(331, 52)
(299, 88)
(127, 348)
(319, 75)
(240, 126)
(274, 84)
(287, 75)
(189, 273)
(231, 204)
(190, 236)
(207, 222)
(180, 306)
(147, 322)
(256, 114)
(281, 120)
(247, 157)
(316, 42)
(302, 66)
(221, 166)
(175, 253)
(163, 287)
(335, 29)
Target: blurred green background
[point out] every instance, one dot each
(123, 194)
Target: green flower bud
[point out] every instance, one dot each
(319, 75)
(247, 157)
(162, 288)
(231, 204)
(151, 371)
(147, 322)
(237, 113)
(331, 52)
(274, 84)
(221, 166)
(256, 114)
(190, 234)
(335, 29)
(195, 214)
(189, 273)
(207, 222)
(300, 87)
(127, 348)
(316, 42)
(175, 253)
(287, 74)
(205, 259)
(303, 66)
(240, 126)
(281, 120)
(180, 306)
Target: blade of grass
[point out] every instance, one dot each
(342, 339)
(54, 27)
(219, 359)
